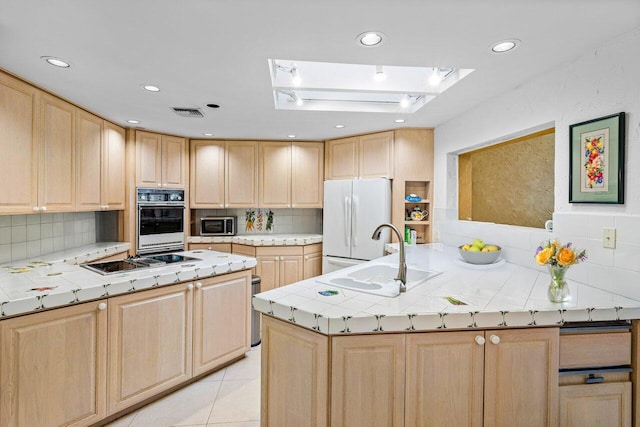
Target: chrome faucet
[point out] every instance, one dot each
(402, 268)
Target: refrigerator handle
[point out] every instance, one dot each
(347, 221)
(354, 220)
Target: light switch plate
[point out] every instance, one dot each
(609, 238)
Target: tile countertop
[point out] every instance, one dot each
(77, 255)
(261, 239)
(500, 295)
(31, 286)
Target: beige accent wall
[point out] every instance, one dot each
(509, 183)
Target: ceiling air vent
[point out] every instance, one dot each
(187, 112)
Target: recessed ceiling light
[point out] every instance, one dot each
(207, 134)
(151, 88)
(505, 45)
(339, 126)
(399, 120)
(56, 61)
(291, 136)
(213, 106)
(133, 122)
(370, 38)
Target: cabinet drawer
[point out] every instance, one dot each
(595, 349)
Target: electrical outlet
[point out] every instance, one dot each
(609, 238)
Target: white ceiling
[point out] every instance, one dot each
(216, 51)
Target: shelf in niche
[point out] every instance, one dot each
(417, 223)
(406, 202)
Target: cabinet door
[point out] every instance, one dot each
(241, 167)
(294, 383)
(56, 180)
(149, 343)
(444, 379)
(173, 162)
(606, 404)
(148, 159)
(312, 265)
(17, 115)
(521, 377)
(207, 174)
(113, 167)
(275, 175)
(342, 158)
(53, 368)
(291, 269)
(268, 268)
(88, 161)
(307, 163)
(368, 380)
(222, 320)
(376, 155)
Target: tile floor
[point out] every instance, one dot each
(229, 397)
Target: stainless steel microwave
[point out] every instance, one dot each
(218, 226)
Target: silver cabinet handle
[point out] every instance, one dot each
(36, 208)
(190, 286)
(198, 285)
(494, 339)
(44, 208)
(480, 340)
(102, 306)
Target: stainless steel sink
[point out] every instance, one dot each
(378, 279)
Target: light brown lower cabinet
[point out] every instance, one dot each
(76, 365)
(163, 337)
(53, 367)
(295, 376)
(282, 265)
(218, 247)
(149, 343)
(367, 380)
(605, 404)
(466, 378)
(221, 321)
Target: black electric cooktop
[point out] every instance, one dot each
(137, 263)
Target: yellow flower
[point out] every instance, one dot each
(543, 256)
(566, 257)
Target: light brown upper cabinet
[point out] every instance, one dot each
(18, 106)
(307, 180)
(275, 174)
(291, 174)
(100, 163)
(89, 160)
(207, 174)
(241, 165)
(365, 156)
(113, 167)
(56, 136)
(160, 160)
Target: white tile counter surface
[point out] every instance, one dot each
(33, 285)
(261, 239)
(501, 295)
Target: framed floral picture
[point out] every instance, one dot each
(596, 160)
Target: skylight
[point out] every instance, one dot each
(323, 86)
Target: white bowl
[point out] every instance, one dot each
(480, 257)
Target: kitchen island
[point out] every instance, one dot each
(472, 346)
(80, 348)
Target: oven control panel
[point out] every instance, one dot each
(155, 195)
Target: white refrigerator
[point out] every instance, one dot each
(353, 208)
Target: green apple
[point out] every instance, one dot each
(474, 249)
(478, 243)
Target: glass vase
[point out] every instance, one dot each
(558, 288)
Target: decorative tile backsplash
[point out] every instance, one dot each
(28, 236)
(283, 221)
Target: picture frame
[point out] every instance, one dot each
(596, 160)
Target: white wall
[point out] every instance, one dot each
(603, 81)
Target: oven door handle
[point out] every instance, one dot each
(160, 205)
